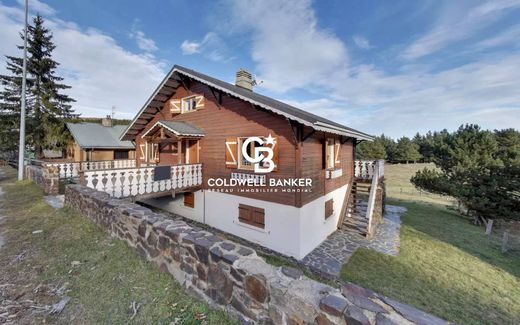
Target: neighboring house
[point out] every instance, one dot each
(194, 118)
(94, 142)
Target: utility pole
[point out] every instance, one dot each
(21, 147)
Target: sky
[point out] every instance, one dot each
(394, 67)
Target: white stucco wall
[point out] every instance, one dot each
(281, 231)
(313, 227)
(288, 230)
(176, 205)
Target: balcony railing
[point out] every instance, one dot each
(365, 169)
(132, 182)
(72, 169)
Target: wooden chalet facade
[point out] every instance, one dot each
(192, 118)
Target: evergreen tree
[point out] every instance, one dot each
(371, 149)
(47, 105)
(479, 168)
(406, 150)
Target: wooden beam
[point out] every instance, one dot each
(305, 137)
(156, 103)
(146, 116)
(161, 97)
(172, 83)
(141, 122)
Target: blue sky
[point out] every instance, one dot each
(396, 67)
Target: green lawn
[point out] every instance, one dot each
(109, 277)
(446, 265)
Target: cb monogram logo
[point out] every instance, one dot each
(262, 158)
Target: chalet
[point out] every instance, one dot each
(98, 142)
(228, 131)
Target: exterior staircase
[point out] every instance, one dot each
(355, 218)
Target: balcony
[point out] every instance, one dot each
(144, 181)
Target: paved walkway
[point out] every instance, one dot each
(328, 258)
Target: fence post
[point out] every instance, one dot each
(505, 239)
(489, 227)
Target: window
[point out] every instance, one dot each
(329, 208)
(189, 104)
(120, 154)
(251, 215)
(189, 199)
(243, 163)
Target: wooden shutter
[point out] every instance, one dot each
(175, 106)
(329, 208)
(251, 215)
(275, 153)
(199, 102)
(231, 153)
(189, 199)
(337, 153)
(143, 152)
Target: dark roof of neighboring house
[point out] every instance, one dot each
(97, 136)
(178, 127)
(318, 123)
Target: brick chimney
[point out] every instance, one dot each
(244, 79)
(107, 121)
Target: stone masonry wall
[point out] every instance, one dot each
(47, 177)
(231, 276)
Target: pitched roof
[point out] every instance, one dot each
(97, 136)
(178, 127)
(316, 122)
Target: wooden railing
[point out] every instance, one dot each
(131, 182)
(376, 176)
(72, 169)
(365, 169)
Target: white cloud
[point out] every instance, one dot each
(292, 52)
(190, 47)
(37, 6)
(289, 48)
(211, 46)
(508, 37)
(144, 43)
(100, 71)
(459, 24)
(362, 42)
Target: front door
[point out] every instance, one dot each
(192, 151)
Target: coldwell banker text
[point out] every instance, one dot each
(272, 182)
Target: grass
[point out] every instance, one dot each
(398, 184)
(109, 277)
(446, 265)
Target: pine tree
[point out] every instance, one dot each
(50, 105)
(406, 150)
(47, 105)
(10, 103)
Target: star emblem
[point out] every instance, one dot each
(269, 140)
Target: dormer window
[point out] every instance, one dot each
(189, 104)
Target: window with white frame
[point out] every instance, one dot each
(189, 104)
(242, 162)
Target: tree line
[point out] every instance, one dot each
(479, 168)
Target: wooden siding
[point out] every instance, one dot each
(233, 118)
(225, 117)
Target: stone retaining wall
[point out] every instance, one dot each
(47, 177)
(231, 276)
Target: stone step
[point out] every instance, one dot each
(357, 223)
(362, 232)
